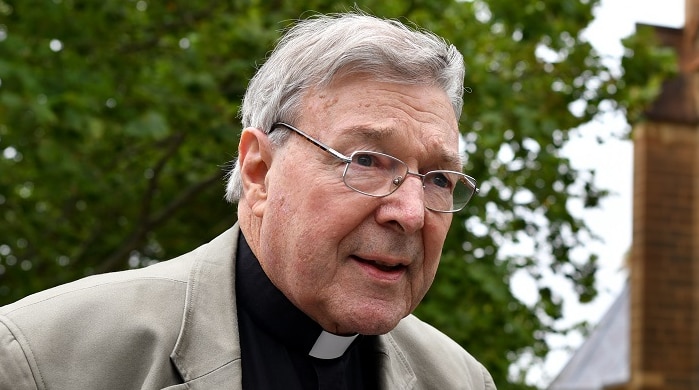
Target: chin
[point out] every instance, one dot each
(370, 323)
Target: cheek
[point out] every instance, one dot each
(326, 201)
(311, 221)
(434, 234)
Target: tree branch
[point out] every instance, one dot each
(133, 241)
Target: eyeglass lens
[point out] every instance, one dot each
(378, 174)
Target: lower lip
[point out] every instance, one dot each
(379, 274)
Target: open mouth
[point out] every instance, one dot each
(390, 268)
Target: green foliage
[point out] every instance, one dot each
(117, 119)
(646, 65)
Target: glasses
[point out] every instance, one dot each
(378, 175)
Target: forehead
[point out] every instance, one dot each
(414, 120)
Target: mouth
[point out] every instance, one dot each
(380, 269)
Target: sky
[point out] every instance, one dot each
(613, 162)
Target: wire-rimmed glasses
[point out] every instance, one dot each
(377, 174)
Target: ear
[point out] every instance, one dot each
(254, 159)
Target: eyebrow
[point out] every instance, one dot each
(452, 161)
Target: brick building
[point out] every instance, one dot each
(650, 338)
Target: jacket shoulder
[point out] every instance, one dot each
(79, 334)
(437, 360)
(173, 271)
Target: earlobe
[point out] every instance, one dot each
(254, 158)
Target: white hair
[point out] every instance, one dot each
(312, 53)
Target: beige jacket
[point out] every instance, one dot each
(173, 325)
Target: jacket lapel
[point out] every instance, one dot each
(207, 352)
(394, 370)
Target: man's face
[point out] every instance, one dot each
(354, 263)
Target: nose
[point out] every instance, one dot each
(405, 208)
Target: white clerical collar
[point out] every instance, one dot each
(331, 346)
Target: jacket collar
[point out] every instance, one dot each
(207, 353)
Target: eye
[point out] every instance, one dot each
(365, 160)
(377, 162)
(441, 180)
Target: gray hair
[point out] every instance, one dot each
(312, 53)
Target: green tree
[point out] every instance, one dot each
(118, 119)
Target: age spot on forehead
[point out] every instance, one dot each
(321, 100)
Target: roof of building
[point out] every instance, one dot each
(603, 359)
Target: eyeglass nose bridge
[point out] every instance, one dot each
(399, 180)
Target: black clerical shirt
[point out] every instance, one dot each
(276, 338)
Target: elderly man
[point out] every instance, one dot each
(347, 177)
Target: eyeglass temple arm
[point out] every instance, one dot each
(313, 141)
